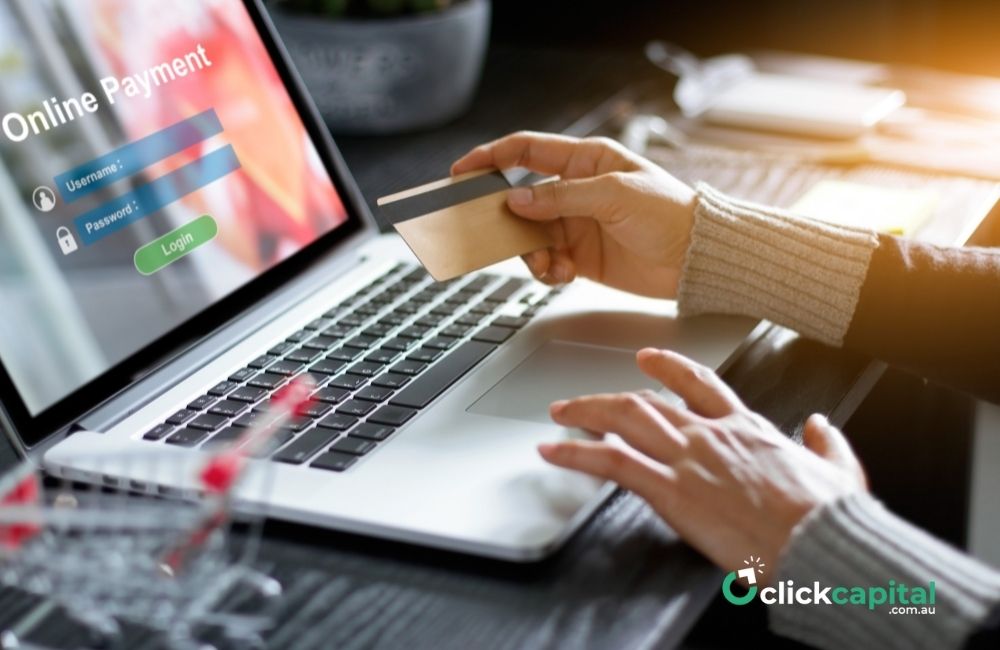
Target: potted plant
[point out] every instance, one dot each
(386, 66)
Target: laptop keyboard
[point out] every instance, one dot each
(378, 358)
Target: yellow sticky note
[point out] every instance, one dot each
(892, 210)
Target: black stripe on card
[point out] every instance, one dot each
(444, 197)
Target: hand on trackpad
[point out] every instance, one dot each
(560, 370)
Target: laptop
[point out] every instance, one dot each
(179, 239)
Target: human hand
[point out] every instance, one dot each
(719, 474)
(616, 217)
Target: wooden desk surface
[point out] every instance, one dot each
(624, 581)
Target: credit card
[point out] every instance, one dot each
(461, 224)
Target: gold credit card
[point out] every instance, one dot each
(461, 224)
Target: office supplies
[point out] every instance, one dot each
(729, 91)
(462, 224)
(295, 279)
(892, 210)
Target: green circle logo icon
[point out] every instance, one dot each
(727, 590)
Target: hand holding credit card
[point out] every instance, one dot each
(461, 224)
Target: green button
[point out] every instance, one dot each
(174, 245)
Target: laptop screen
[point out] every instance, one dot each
(152, 162)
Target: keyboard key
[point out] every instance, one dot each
(337, 331)
(263, 361)
(391, 415)
(349, 382)
(182, 416)
(360, 341)
(444, 310)
(202, 403)
(286, 368)
(249, 394)
(414, 332)
(365, 369)
(187, 437)
(394, 319)
(250, 419)
(267, 380)
(352, 320)
(399, 343)
(306, 446)
(439, 343)
(469, 319)
(355, 407)
(228, 408)
(223, 388)
(304, 355)
(424, 355)
(338, 421)
(377, 330)
(480, 282)
(374, 393)
(353, 446)
(242, 375)
(330, 395)
(207, 422)
(327, 367)
(300, 336)
(408, 307)
(484, 308)
(277, 439)
(382, 356)
(345, 354)
(456, 330)
(334, 461)
(506, 290)
(408, 368)
(297, 424)
(159, 432)
(370, 431)
(322, 342)
(493, 334)
(224, 438)
(446, 372)
(429, 320)
(317, 324)
(514, 322)
(460, 297)
(391, 380)
(281, 349)
(317, 410)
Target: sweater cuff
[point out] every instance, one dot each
(750, 260)
(855, 541)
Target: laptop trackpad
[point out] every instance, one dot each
(560, 370)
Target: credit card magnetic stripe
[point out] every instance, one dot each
(444, 197)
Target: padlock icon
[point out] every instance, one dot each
(67, 243)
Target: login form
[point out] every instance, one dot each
(151, 163)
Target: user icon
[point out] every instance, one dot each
(44, 199)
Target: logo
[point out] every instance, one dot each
(897, 597)
(749, 573)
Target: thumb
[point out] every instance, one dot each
(596, 197)
(826, 441)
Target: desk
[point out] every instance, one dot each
(617, 583)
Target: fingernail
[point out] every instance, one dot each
(559, 272)
(547, 449)
(521, 196)
(558, 405)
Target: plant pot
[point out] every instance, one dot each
(389, 75)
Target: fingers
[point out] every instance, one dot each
(545, 153)
(827, 441)
(700, 388)
(628, 415)
(625, 467)
(598, 197)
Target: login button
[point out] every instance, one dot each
(176, 244)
